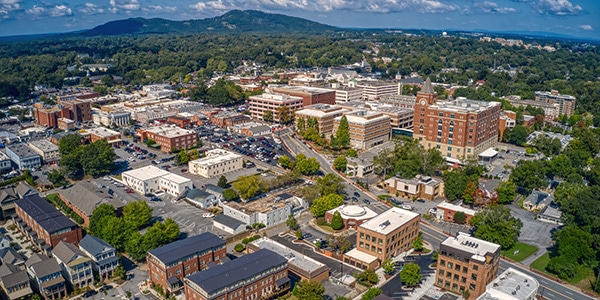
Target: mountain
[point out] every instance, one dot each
(235, 21)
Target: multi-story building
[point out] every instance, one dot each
(445, 212)
(150, 114)
(14, 282)
(309, 95)
(48, 116)
(551, 110)
(169, 137)
(323, 113)
(346, 94)
(65, 124)
(259, 275)
(352, 215)
(387, 235)
(375, 90)
(101, 133)
(228, 118)
(181, 122)
(47, 150)
(367, 128)
(43, 224)
(103, 255)
(215, 163)
(169, 264)
(5, 163)
(111, 118)
(512, 284)
(83, 197)
(271, 102)
(47, 277)
(265, 210)
(422, 187)
(150, 180)
(458, 128)
(23, 157)
(78, 110)
(403, 101)
(400, 118)
(76, 266)
(566, 102)
(466, 263)
(507, 120)
(10, 194)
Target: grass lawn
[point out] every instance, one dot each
(119, 177)
(541, 263)
(524, 251)
(327, 228)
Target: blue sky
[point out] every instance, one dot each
(579, 18)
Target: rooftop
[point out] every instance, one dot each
(43, 213)
(453, 207)
(102, 132)
(302, 89)
(465, 105)
(478, 248)
(293, 257)
(213, 157)
(355, 212)
(86, 196)
(262, 205)
(169, 131)
(511, 285)
(276, 97)
(43, 265)
(389, 220)
(179, 249)
(176, 178)
(146, 173)
(364, 117)
(321, 110)
(361, 256)
(67, 252)
(228, 221)
(94, 245)
(44, 145)
(22, 150)
(237, 270)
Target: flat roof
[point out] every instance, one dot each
(22, 150)
(355, 212)
(465, 105)
(477, 247)
(146, 173)
(215, 156)
(168, 131)
(103, 132)
(320, 110)
(177, 250)
(176, 178)
(453, 207)
(364, 117)
(389, 220)
(302, 89)
(262, 205)
(511, 285)
(43, 145)
(361, 256)
(293, 257)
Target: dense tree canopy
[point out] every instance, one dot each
(495, 224)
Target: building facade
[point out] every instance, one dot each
(75, 265)
(421, 187)
(466, 263)
(445, 211)
(367, 128)
(104, 256)
(324, 115)
(23, 157)
(215, 163)
(112, 137)
(375, 90)
(352, 215)
(170, 137)
(169, 264)
(150, 180)
(47, 277)
(459, 128)
(47, 150)
(271, 102)
(309, 95)
(5, 163)
(566, 103)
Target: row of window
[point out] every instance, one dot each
(454, 286)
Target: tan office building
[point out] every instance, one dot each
(367, 128)
(323, 113)
(259, 105)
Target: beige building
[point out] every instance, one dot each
(215, 163)
(566, 103)
(367, 128)
(387, 235)
(551, 110)
(421, 187)
(47, 150)
(323, 113)
(375, 90)
(259, 105)
(150, 179)
(345, 94)
(401, 118)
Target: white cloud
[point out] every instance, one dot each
(160, 9)
(492, 7)
(556, 7)
(586, 27)
(59, 10)
(127, 5)
(90, 9)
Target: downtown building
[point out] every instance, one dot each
(566, 103)
(324, 114)
(458, 128)
(309, 95)
(169, 137)
(259, 105)
(367, 128)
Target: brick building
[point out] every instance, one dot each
(352, 215)
(169, 137)
(83, 197)
(445, 212)
(260, 104)
(259, 275)
(112, 137)
(43, 224)
(466, 263)
(78, 110)
(309, 95)
(458, 128)
(75, 110)
(169, 264)
(179, 121)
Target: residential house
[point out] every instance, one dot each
(76, 266)
(15, 282)
(47, 277)
(200, 198)
(103, 255)
(10, 194)
(10, 256)
(422, 187)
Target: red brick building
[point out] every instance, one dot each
(458, 128)
(259, 275)
(43, 224)
(445, 212)
(76, 110)
(179, 121)
(224, 119)
(169, 264)
(309, 95)
(169, 137)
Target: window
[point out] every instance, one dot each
(442, 262)
(440, 121)
(465, 269)
(457, 267)
(441, 272)
(450, 148)
(475, 268)
(463, 279)
(474, 276)
(472, 287)
(451, 129)
(450, 265)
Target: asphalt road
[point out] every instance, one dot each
(549, 289)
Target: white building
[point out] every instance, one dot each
(375, 90)
(511, 285)
(150, 179)
(47, 150)
(345, 94)
(215, 163)
(5, 162)
(110, 119)
(269, 211)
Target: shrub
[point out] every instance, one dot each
(245, 241)
(321, 221)
(239, 248)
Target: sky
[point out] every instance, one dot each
(579, 18)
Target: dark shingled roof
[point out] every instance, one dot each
(48, 217)
(94, 245)
(245, 267)
(179, 249)
(228, 221)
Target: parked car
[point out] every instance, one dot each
(366, 201)
(306, 235)
(406, 206)
(356, 194)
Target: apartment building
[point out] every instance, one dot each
(458, 128)
(403, 101)
(47, 277)
(23, 157)
(150, 180)
(259, 275)
(169, 137)
(367, 128)
(78, 110)
(47, 150)
(324, 114)
(75, 110)
(375, 90)
(466, 263)
(215, 163)
(76, 266)
(43, 224)
(400, 118)
(420, 187)
(309, 95)
(271, 102)
(104, 256)
(388, 234)
(14, 282)
(551, 110)
(169, 264)
(566, 103)
(345, 94)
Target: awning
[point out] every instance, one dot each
(282, 281)
(173, 280)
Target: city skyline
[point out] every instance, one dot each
(577, 18)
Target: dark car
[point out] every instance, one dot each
(306, 235)
(366, 201)
(357, 194)
(89, 293)
(183, 170)
(421, 201)
(155, 199)
(354, 199)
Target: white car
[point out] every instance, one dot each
(406, 206)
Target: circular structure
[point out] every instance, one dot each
(353, 211)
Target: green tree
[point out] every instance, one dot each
(496, 224)
(337, 222)
(340, 243)
(97, 158)
(309, 193)
(369, 276)
(340, 163)
(507, 191)
(107, 80)
(285, 162)
(292, 223)
(299, 234)
(529, 175)
(97, 222)
(250, 186)
(181, 158)
(460, 217)
(371, 293)
(268, 116)
(134, 246)
(69, 144)
(284, 115)
(329, 184)
(469, 192)
(115, 231)
(137, 213)
(418, 243)
(388, 266)
(230, 195)
(307, 166)
(309, 290)
(325, 203)
(342, 135)
(194, 153)
(518, 135)
(410, 274)
(351, 152)
(150, 143)
(120, 272)
(239, 248)
(222, 183)
(57, 177)
(455, 183)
